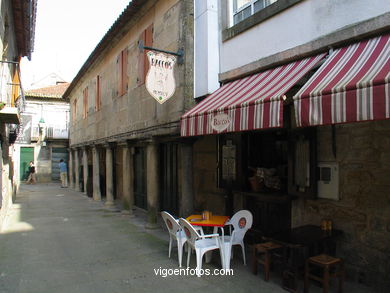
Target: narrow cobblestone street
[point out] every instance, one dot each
(58, 240)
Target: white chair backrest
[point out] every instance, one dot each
(189, 230)
(241, 222)
(171, 223)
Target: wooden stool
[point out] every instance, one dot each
(326, 262)
(265, 250)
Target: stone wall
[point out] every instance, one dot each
(207, 195)
(6, 177)
(136, 113)
(363, 211)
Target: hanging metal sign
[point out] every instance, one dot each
(160, 81)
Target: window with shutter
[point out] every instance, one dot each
(74, 112)
(146, 38)
(85, 103)
(122, 77)
(98, 102)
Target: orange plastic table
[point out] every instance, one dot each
(215, 221)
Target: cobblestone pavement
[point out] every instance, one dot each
(58, 240)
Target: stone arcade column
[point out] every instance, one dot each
(152, 184)
(85, 168)
(71, 181)
(76, 171)
(109, 177)
(128, 177)
(186, 160)
(96, 174)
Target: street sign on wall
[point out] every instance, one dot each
(160, 81)
(24, 136)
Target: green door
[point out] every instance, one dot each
(26, 156)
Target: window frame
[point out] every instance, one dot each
(232, 30)
(251, 4)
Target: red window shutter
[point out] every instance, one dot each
(98, 93)
(125, 78)
(119, 74)
(85, 94)
(141, 63)
(74, 110)
(148, 43)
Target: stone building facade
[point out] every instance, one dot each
(17, 28)
(124, 145)
(43, 135)
(252, 40)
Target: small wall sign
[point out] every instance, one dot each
(229, 161)
(220, 122)
(160, 81)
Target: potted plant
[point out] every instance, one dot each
(2, 105)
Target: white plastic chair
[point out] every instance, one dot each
(200, 243)
(175, 233)
(241, 222)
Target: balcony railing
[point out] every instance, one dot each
(57, 133)
(34, 133)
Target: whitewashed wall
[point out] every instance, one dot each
(53, 113)
(206, 47)
(299, 24)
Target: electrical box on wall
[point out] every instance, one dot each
(328, 180)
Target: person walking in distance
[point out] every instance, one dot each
(63, 174)
(31, 174)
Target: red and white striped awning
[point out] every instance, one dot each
(253, 102)
(352, 85)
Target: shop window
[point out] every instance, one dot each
(266, 161)
(275, 162)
